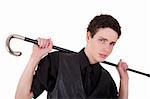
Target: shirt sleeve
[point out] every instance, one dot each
(113, 90)
(45, 75)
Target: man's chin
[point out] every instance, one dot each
(101, 60)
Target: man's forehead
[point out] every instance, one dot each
(107, 33)
(107, 39)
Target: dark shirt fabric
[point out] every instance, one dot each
(46, 74)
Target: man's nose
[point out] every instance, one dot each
(107, 47)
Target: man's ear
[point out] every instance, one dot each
(88, 36)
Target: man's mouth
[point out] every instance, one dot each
(103, 55)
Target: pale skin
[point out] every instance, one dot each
(97, 49)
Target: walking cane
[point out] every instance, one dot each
(18, 53)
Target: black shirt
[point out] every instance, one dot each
(46, 74)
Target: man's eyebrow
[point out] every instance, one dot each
(103, 38)
(112, 42)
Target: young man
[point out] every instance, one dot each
(76, 75)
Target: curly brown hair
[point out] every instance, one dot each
(103, 21)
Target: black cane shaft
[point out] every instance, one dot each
(132, 70)
(109, 63)
(31, 40)
(54, 47)
(62, 49)
(68, 51)
(138, 72)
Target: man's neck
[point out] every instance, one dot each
(90, 58)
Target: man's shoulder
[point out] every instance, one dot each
(106, 74)
(62, 53)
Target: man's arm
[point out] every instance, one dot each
(123, 90)
(24, 86)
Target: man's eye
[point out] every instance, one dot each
(102, 40)
(113, 44)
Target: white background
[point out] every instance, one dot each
(65, 21)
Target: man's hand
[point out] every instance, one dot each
(122, 69)
(123, 90)
(44, 46)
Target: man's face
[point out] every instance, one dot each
(101, 45)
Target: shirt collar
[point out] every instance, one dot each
(84, 61)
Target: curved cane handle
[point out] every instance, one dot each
(15, 53)
(18, 53)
